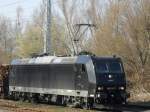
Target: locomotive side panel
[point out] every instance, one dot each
(57, 79)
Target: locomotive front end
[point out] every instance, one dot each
(110, 81)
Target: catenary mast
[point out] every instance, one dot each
(47, 27)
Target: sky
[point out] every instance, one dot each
(8, 8)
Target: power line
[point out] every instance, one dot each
(18, 1)
(10, 4)
(22, 20)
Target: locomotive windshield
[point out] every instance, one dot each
(101, 67)
(105, 67)
(115, 67)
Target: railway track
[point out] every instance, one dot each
(12, 106)
(124, 108)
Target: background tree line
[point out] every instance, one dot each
(122, 28)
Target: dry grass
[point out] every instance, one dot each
(139, 95)
(27, 107)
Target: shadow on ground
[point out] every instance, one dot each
(131, 107)
(144, 104)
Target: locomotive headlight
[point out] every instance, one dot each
(121, 88)
(98, 95)
(91, 95)
(100, 88)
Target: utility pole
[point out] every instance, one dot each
(47, 27)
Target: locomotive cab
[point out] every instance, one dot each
(110, 80)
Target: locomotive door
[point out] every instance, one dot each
(79, 78)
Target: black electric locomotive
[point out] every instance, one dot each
(80, 80)
(110, 80)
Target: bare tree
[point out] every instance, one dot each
(6, 39)
(123, 29)
(138, 40)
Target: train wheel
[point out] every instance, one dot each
(88, 103)
(60, 100)
(33, 100)
(70, 102)
(87, 106)
(124, 102)
(16, 96)
(21, 98)
(84, 106)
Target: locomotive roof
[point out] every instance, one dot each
(82, 59)
(107, 58)
(52, 60)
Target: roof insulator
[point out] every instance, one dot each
(114, 56)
